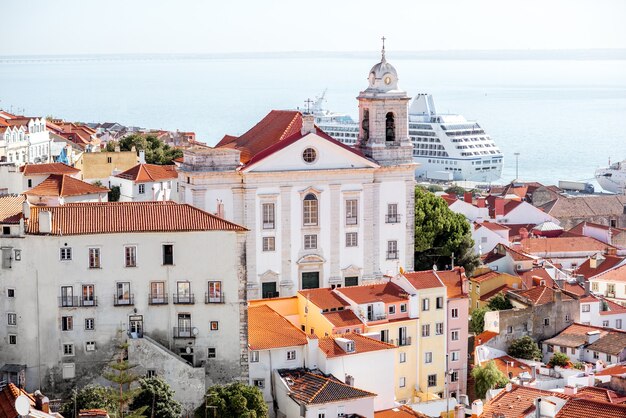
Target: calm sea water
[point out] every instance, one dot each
(565, 118)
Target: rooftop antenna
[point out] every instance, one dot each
(308, 103)
(383, 50)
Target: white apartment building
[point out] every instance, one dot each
(147, 182)
(320, 213)
(24, 139)
(611, 284)
(77, 278)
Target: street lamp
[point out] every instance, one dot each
(516, 165)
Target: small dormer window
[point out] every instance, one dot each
(309, 155)
(350, 347)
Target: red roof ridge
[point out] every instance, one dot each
(64, 185)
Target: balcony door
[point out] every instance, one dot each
(310, 280)
(135, 326)
(184, 325)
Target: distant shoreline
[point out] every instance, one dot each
(488, 55)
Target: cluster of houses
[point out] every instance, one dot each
(284, 259)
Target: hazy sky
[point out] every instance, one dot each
(205, 26)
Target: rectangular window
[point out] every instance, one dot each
(214, 326)
(455, 313)
(605, 323)
(268, 216)
(384, 335)
(594, 287)
(151, 373)
(291, 355)
(66, 253)
(563, 350)
(68, 349)
(352, 239)
(352, 209)
(12, 339)
(432, 380)
(402, 357)
(392, 250)
(67, 296)
(10, 293)
(403, 307)
(215, 292)
(392, 213)
(596, 355)
(454, 335)
(456, 355)
(254, 356)
(90, 324)
(425, 304)
(546, 321)
(439, 328)
(11, 319)
(168, 254)
(428, 357)
(88, 296)
(260, 383)
(392, 309)
(269, 244)
(618, 323)
(183, 292)
(610, 288)
(454, 376)
(122, 296)
(439, 302)
(94, 258)
(572, 350)
(211, 353)
(402, 382)
(67, 323)
(426, 330)
(130, 256)
(90, 346)
(310, 210)
(310, 242)
(142, 189)
(586, 307)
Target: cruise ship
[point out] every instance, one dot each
(447, 146)
(613, 177)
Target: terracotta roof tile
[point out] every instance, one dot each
(324, 298)
(516, 403)
(507, 364)
(267, 329)
(586, 206)
(585, 408)
(426, 279)
(307, 387)
(494, 226)
(50, 168)
(613, 371)
(63, 185)
(540, 295)
(575, 335)
(613, 343)
(546, 246)
(606, 263)
(534, 276)
(612, 308)
(7, 400)
(401, 411)
(500, 289)
(362, 344)
(483, 337)
(142, 173)
(125, 217)
(598, 394)
(617, 274)
(345, 318)
(383, 292)
(579, 229)
(453, 280)
(486, 275)
(11, 210)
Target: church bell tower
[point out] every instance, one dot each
(383, 117)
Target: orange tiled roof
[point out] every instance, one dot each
(613, 371)
(142, 173)
(540, 295)
(426, 279)
(585, 408)
(534, 276)
(484, 275)
(125, 217)
(613, 308)
(494, 226)
(562, 244)
(453, 280)
(483, 337)
(324, 298)
(362, 344)
(345, 318)
(516, 403)
(93, 413)
(312, 388)
(575, 335)
(578, 229)
(11, 208)
(401, 411)
(64, 185)
(507, 364)
(500, 289)
(50, 168)
(384, 292)
(7, 400)
(267, 329)
(617, 274)
(608, 263)
(598, 394)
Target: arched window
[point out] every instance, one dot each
(365, 124)
(310, 210)
(390, 128)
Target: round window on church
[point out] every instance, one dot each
(309, 155)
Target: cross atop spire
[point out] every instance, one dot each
(383, 50)
(308, 103)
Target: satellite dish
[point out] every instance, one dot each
(22, 405)
(188, 350)
(195, 331)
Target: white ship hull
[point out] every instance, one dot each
(613, 178)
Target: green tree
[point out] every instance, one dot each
(440, 233)
(456, 190)
(89, 397)
(121, 393)
(157, 398)
(114, 194)
(110, 146)
(477, 320)
(157, 152)
(233, 401)
(499, 303)
(488, 377)
(559, 359)
(525, 348)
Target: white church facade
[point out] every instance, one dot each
(320, 213)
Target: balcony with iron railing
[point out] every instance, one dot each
(392, 255)
(609, 294)
(119, 300)
(183, 332)
(157, 299)
(376, 317)
(352, 220)
(402, 342)
(89, 302)
(214, 297)
(182, 299)
(68, 302)
(269, 225)
(392, 218)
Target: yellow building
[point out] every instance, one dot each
(96, 166)
(486, 283)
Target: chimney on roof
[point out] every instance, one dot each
(220, 209)
(308, 124)
(499, 207)
(142, 157)
(558, 295)
(26, 209)
(467, 196)
(459, 411)
(481, 202)
(570, 390)
(477, 407)
(610, 251)
(117, 148)
(587, 287)
(533, 371)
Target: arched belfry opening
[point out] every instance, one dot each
(390, 127)
(365, 124)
